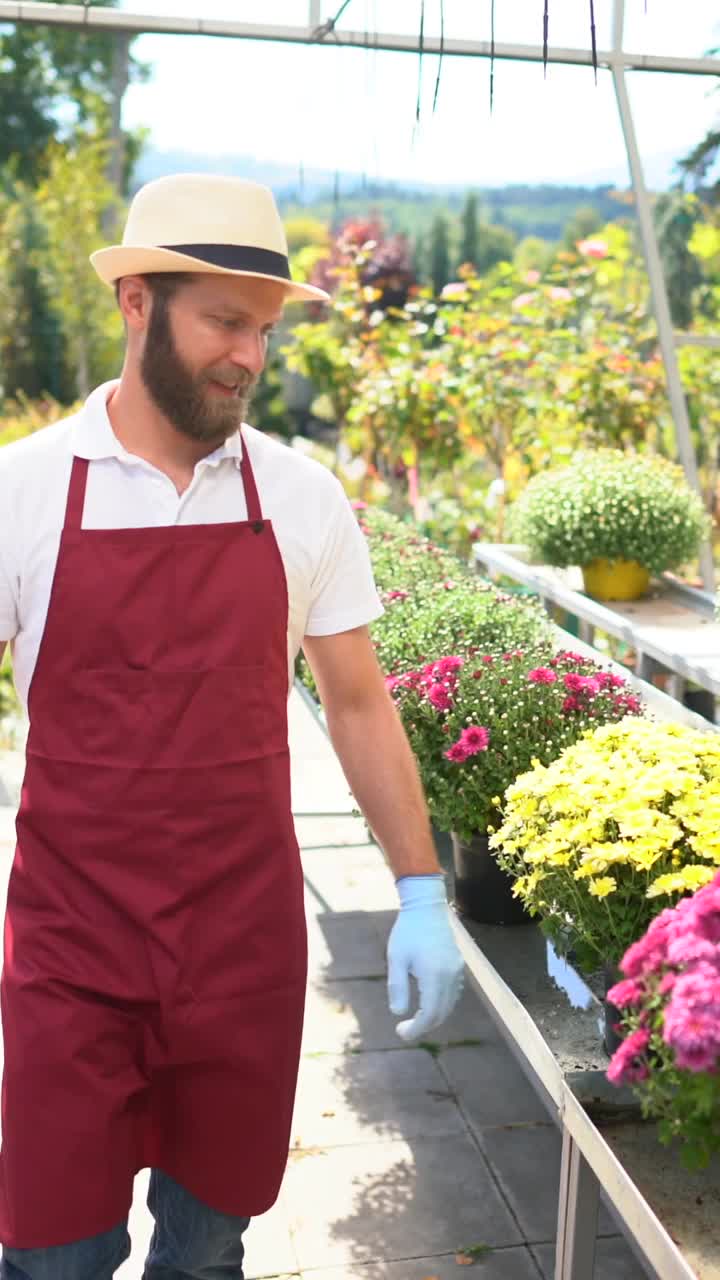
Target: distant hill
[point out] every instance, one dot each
(526, 210)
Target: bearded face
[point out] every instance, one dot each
(206, 404)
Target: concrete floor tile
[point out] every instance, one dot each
(526, 1162)
(499, 1264)
(315, 831)
(349, 1015)
(614, 1260)
(372, 1097)
(269, 1248)
(492, 1087)
(385, 1201)
(342, 879)
(369, 1271)
(344, 945)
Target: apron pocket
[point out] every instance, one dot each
(175, 719)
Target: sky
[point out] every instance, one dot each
(354, 110)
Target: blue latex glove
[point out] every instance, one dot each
(422, 944)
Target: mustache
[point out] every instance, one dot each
(241, 379)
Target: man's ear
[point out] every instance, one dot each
(135, 302)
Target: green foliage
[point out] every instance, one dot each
(8, 697)
(613, 506)
(24, 416)
(402, 559)
(439, 253)
(73, 204)
(676, 216)
(524, 210)
(453, 402)
(53, 81)
(495, 245)
(469, 250)
(433, 603)
(32, 347)
(583, 223)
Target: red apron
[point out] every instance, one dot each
(155, 950)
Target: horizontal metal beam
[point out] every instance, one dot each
(113, 20)
(697, 339)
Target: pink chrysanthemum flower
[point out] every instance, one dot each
(628, 1065)
(475, 738)
(439, 697)
(542, 675)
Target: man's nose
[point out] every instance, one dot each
(249, 351)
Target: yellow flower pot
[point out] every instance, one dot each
(615, 579)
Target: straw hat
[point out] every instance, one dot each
(200, 222)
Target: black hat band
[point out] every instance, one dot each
(236, 257)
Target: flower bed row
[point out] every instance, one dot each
(603, 821)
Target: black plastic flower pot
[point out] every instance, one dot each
(613, 1034)
(483, 891)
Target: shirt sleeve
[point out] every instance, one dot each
(9, 619)
(343, 590)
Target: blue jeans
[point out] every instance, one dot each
(190, 1242)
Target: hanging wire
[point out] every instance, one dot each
(492, 53)
(593, 33)
(442, 52)
(546, 28)
(328, 28)
(420, 62)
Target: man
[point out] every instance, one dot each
(160, 566)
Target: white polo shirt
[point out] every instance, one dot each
(330, 583)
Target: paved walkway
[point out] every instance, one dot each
(406, 1163)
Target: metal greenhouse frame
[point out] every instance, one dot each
(616, 59)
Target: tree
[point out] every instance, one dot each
(584, 222)
(43, 72)
(72, 204)
(533, 254)
(495, 244)
(469, 236)
(675, 217)
(439, 253)
(697, 163)
(32, 350)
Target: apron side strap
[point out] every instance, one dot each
(252, 501)
(76, 493)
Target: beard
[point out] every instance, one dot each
(182, 395)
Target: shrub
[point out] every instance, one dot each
(613, 506)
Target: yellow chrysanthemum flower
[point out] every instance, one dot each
(602, 887)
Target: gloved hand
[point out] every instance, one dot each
(422, 944)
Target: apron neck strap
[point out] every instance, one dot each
(78, 484)
(76, 493)
(252, 500)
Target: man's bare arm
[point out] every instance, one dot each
(373, 750)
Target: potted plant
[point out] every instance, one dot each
(670, 998)
(622, 823)
(621, 516)
(475, 722)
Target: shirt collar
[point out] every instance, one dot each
(93, 437)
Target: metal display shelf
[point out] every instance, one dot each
(672, 629)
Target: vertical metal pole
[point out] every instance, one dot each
(577, 1215)
(120, 81)
(314, 14)
(661, 305)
